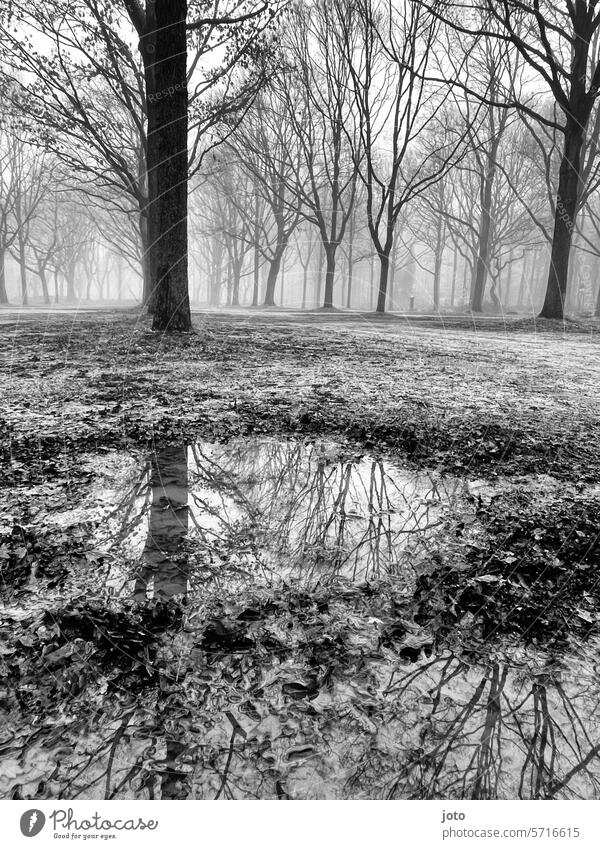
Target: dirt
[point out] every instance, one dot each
(434, 677)
(512, 402)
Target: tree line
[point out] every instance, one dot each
(241, 135)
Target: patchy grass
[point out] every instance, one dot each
(465, 400)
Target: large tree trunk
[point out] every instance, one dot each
(330, 251)
(384, 272)
(319, 279)
(564, 222)
(168, 161)
(274, 269)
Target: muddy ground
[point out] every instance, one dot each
(234, 653)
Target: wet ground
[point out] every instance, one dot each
(280, 618)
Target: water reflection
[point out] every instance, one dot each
(306, 689)
(273, 511)
(500, 732)
(164, 565)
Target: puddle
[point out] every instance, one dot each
(238, 624)
(266, 511)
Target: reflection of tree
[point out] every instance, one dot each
(503, 734)
(311, 514)
(168, 526)
(165, 563)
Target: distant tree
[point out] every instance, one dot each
(25, 181)
(389, 46)
(317, 96)
(558, 42)
(267, 148)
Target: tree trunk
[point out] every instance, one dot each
(282, 282)
(320, 274)
(274, 268)
(44, 282)
(509, 279)
(384, 259)
(256, 290)
(330, 251)
(454, 277)
(392, 275)
(169, 129)
(3, 294)
(237, 274)
(23, 270)
(148, 258)
(564, 222)
(304, 284)
(350, 262)
(480, 272)
(71, 295)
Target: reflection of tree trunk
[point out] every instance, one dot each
(165, 563)
(163, 559)
(174, 781)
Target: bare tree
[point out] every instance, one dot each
(388, 47)
(558, 42)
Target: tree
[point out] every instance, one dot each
(267, 148)
(388, 46)
(72, 47)
(25, 179)
(316, 93)
(558, 43)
